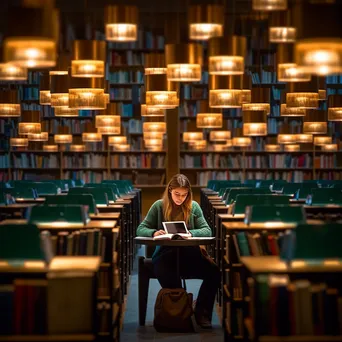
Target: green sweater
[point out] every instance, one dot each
(197, 224)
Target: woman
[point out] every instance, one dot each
(177, 205)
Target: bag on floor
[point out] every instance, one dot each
(173, 311)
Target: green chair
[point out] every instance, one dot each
(45, 188)
(73, 214)
(78, 182)
(84, 199)
(107, 185)
(123, 189)
(305, 191)
(68, 183)
(21, 192)
(324, 196)
(274, 213)
(244, 191)
(100, 196)
(252, 183)
(242, 201)
(291, 189)
(265, 183)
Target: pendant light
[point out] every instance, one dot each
(12, 72)
(260, 100)
(90, 134)
(219, 136)
(272, 145)
(110, 117)
(77, 148)
(285, 136)
(159, 127)
(42, 136)
(59, 89)
(153, 135)
(322, 140)
(302, 94)
(222, 147)
(19, 142)
(30, 122)
(205, 21)
(335, 107)
(329, 147)
(44, 89)
(66, 112)
(207, 117)
(153, 143)
(254, 123)
(292, 111)
(121, 23)
(154, 63)
(280, 29)
(50, 148)
(192, 136)
(117, 140)
(122, 147)
(304, 138)
(9, 103)
(239, 140)
(199, 145)
(315, 122)
(63, 136)
(151, 111)
(292, 148)
(269, 5)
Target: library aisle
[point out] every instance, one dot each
(133, 332)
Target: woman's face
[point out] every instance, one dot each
(179, 195)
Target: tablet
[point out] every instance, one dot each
(175, 227)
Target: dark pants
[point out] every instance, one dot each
(192, 264)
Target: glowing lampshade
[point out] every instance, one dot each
(272, 148)
(222, 147)
(183, 62)
(209, 120)
(241, 141)
(192, 136)
(44, 89)
(59, 88)
(159, 127)
(122, 147)
(150, 143)
(329, 147)
(66, 111)
(287, 138)
(254, 123)
(246, 96)
(9, 103)
(50, 148)
(260, 101)
(322, 140)
(292, 111)
(292, 148)
(304, 138)
(219, 135)
(315, 122)
(107, 121)
(269, 5)
(91, 137)
(283, 34)
(63, 138)
(77, 148)
(154, 63)
(121, 23)
(289, 72)
(19, 142)
(335, 107)
(12, 72)
(199, 145)
(151, 111)
(319, 56)
(43, 136)
(322, 94)
(110, 130)
(153, 135)
(30, 122)
(118, 140)
(302, 100)
(265, 107)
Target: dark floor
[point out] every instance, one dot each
(133, 332)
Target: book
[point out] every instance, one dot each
(179, 236)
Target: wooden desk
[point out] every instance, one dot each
(105, 216)
(38, 200)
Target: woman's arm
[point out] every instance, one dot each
(150, 224)
(201, 227)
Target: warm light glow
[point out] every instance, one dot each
(57, 72)
(45, 97)
(155, 71)
(65, 111)
(329, 147)
(63, 138)
(289, 72)
(254, 129)
(11, 72)
(30, 53)
(219, 135)
(111, 130)
(159, 127)
(152, 111)
(286, 139)
(123, 147)
(222, 147)
(153, 143)
(315, 127)
(184, 73)
(43, 136)
(107, 121)
(153, 135)
(226, 65)
(87, 98)
(335, 114)
(225, 98)
(293, 111)
(241, 141)
(209, 120)
(91, 137)
(319, 56)
(282, 34)
(256, 107)
(302, 100)
(118, 140)
(10, 110)
(246, 96)
(162, 99)
(204, 31)
(319, 141)
(87, 68)
(77, 148)
(19, 142)
(60, 100)
(26, 128)
(272, 148)
(292, 148)
(50, 148)
(269, 5)
(304, 138)
(192, 136)
(322, 94)
(199, 145)
(121, 32)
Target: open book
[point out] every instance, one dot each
(176, 230)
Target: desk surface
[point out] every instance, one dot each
(176, 243)
(65, 225)
(105, 216)
(17, 206)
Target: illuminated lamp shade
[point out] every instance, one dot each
(219, 135)
(335, 107)
(31, 38)
(319, 56)
(121, 23)
(12, 72)
(87, 93)
(292, 148)
(284, 34)
(315, 122)
(184, 62)
(151, 111)
(209, 120)
(160, 93)
(118, 140)
(269, 5)
(287, 138)
(329, 147)
(44, 89)
(50, 148)
(302, 100)
(199, 145)
(77, 148)
(9, 103)
(91, 137)
(43, 136)
(110, 130)
(88, 58)
(59, 88)
(159, 127)
(122, 147)
(65, 111)
(254, 123)
(205, 21)
(153, 143)
(107, 121)
(19, 142)
(30, 122)
(241, 141)
(154, 63)
(63, 138)
(265, 107)
(319, 141)
(289, 72)
(304, 138)
(222, 147)
(260, 100)
(272, 148)
(192, 136)
(322, 94)
(153, 135)
(226, 55)
(246, 96)
(292, 111)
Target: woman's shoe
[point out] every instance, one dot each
(203, 321)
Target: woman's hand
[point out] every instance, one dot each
(159, 232)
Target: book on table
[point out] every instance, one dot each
(175, 230)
